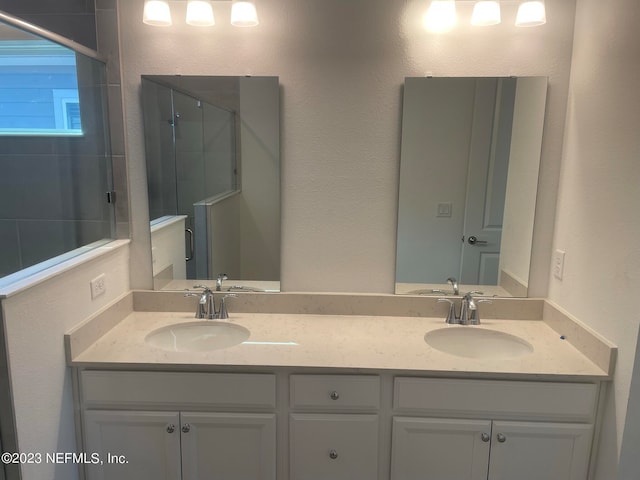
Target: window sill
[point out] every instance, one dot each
(29, 277)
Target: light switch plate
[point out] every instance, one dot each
(558, 264)
(444, 209)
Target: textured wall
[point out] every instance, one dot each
(35, 321)
(597, 218)
(341, 67)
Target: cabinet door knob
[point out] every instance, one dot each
(485, 437)
(186, 428)
(501, 438)
(171, 428)
(334, 395)
(333, 454)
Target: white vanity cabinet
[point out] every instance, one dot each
(334, 427)
(552, 439)
(160, 425)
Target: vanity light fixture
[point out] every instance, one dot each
(441, 16)
(531, 14)
(485, 13)
(157, 13)
(200, 13)
(244, 13)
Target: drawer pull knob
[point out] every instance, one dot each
(334, 395)
(186, 428)
(485, 437)
(501, 438)
(171, 428)
(333, 454)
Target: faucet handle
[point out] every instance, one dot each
(201, 310)
(451, 316)
(205, 288)
(223, 314)
(474, 314)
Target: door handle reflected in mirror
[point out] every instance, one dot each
(473, 240)
(191, 244)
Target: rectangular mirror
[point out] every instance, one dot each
(470, 157)
(213, 170)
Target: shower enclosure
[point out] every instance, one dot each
(191, 150)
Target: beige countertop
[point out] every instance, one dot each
(334, 342)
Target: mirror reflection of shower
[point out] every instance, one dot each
(191, 147)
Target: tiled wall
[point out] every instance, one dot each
(52, 189)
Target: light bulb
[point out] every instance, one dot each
(156, 13)
(531, 14)
(200, 13)
(441, 16)
(485, 13)
(243, 14)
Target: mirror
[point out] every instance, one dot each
(213, 169)
(470, 156)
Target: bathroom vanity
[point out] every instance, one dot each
(324, 389)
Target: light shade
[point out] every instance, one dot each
(485, 13)
(244, 14)
(441, 15)
(157, 13)
(531, 14)
(200, 13)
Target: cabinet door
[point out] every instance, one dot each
(336, 447)
(228, 446)
(534, 451)
(442, 449)
(148, 441)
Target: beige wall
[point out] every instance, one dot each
(35, 321)
(522, 180)
(598, 223)
(341, 67)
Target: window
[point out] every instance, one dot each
(39, 89)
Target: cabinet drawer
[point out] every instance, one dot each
(496, 399)
(335, 446)
(335, 392)
(237, 391)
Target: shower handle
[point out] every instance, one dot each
(191, 245)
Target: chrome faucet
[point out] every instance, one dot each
(221, 277)
(469, 313)
(206, 307)
(454, 285)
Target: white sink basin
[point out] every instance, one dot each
(475, 342)
(202, 336)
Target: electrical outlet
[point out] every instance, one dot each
(98, 286)
(558, 264)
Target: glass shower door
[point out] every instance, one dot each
(189, 163)
(191, 148)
